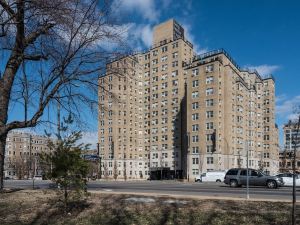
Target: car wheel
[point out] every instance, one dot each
(233, 183)
(271, 184)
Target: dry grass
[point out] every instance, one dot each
(44, 207)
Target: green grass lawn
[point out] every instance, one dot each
(45, 207)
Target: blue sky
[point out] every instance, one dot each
(261, 34)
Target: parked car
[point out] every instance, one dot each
(211, 176)
(38, 177)
(238, 176)
(288, 179)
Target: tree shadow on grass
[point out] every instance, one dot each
(55, 212)
(10, 190)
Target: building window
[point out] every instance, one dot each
(195, 94)
(195, 150)
(195, 172)
(195, 105)
(195, 161)
(209, 80)
(209, 126)
(195, 83)
(209, 68)
(195, 138)
(195, 72)
(195, 127)
(209, 114)
(209, 148)
(209, 102)
(164, 49)
(175, 73)
(175, 55)
(164, 58)
(175, 63)
(195, 116)
(210, 160)
(209, 91)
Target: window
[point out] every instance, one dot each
(195, 138)
(175, 82)
(195, 83)
(147, 56)
(195, 116)
(175, 91)
(209, 125)
(209, 148)
(175, 45)
(195, 161)
(164, 49)
(195, 94)
(209, 102)
(209, 114)
(195, 72)
(232, 172)
(164, 58)
(195, 172)
(209, 91)
(155, 53)
(210, 160)
(175, 55)
(209, 80)
(175, 73)
(164, 67)
(154, 61)
(195, 105)
(209, 68)
(195, 127)
(209, 137)
(155, 70)
(175, 63)
(195, 150)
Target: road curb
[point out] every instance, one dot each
(193, 197)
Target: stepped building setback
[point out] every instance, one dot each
(174, 114)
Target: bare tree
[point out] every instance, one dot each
(105, 171)
(51, 52)
(115, 171)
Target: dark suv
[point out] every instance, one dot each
(238, 176)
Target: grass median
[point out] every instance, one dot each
(45, 207)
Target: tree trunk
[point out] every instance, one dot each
(2, 154)
(66, 199)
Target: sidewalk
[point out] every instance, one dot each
(192, 197)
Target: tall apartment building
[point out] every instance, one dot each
(22, 154)
(291, 138)
(172, 114)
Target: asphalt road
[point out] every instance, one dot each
(218, 190)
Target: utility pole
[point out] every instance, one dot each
(295, 143)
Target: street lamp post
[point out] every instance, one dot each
(295, 143)
(247, 150)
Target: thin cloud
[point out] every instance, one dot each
(141, 33)
(264, 69)
(287, 109)
(145, 8)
